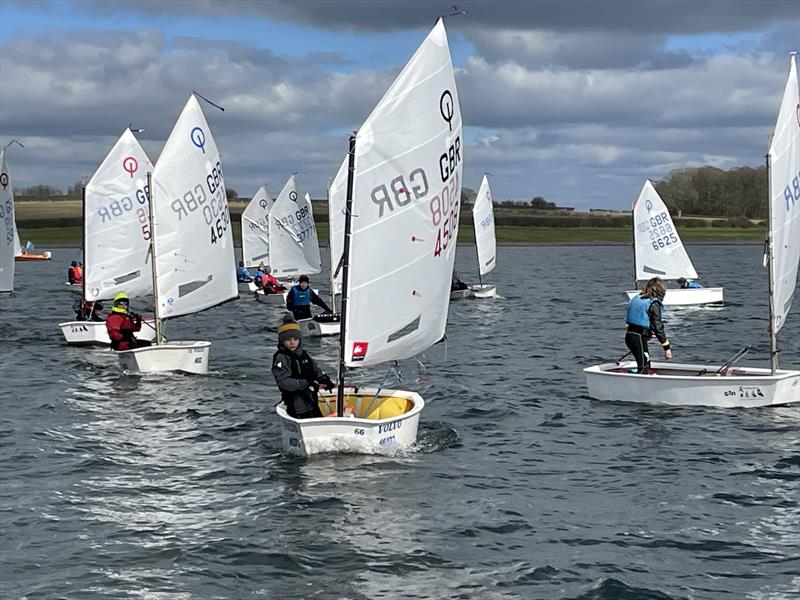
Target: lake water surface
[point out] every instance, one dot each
(176, 487)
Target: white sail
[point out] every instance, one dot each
(658, 247)
(483, 221)
(117, 224)
(406, 203)
(8, 227)
(337, 197)
(255, 229)
(193, 241)
(293, 245)
(784, 183)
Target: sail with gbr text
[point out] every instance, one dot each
(117, 224)
(659, 251)
(255, 229)
(483, 221)
(293, 244)
(195, 265)
(8, 227)
(406, 204)
(784, 184)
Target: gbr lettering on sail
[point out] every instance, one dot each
(441, 195)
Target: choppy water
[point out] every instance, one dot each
(175, 487)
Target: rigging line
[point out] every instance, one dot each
(199, 95)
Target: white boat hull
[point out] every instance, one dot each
(476, 290)
(483, 290)
(187, 357)
(393, 424)
(319, 326)
(688, 296)
(94, 333)
(260, 296)
(245, 287)
(682, 385)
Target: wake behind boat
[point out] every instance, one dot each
(659, 252)
(396, 256)
(725, 386)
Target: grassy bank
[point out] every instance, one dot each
(71, 236)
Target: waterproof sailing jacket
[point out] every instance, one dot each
(121, 328)
(296, 374)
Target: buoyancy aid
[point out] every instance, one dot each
(637, 311)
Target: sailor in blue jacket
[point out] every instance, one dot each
(301, 297)
(689, 283)
(242, 274)
(644, 321)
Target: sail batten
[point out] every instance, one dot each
(784, 185)
(116, 223)
(193, 234)
(658, 247)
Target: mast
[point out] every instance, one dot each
(633, 243)
(351, 168)
(83, 249)
(773, 337)
(153, 266)
(331, 278)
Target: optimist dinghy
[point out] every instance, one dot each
(116, 239)
(255, 234)
(191, 242)
(659, 252)
(485, 243)
(725, 386)
(397, 199)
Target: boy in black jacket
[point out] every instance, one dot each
(297, 375)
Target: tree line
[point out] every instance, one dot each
(740, 192)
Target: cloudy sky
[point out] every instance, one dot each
(575, 100)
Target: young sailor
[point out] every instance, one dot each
(89, 311)
(121, 325)
(689, 283)
(270, 283)
(297, 375)
(74, 273)
(644, 320)
(301, 297)
(242, 274)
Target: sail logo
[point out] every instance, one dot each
(198, 138)
(130, 165)
(4, 180)
(648, 205)
(360, 350)
(293, 196)
(447, 107)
